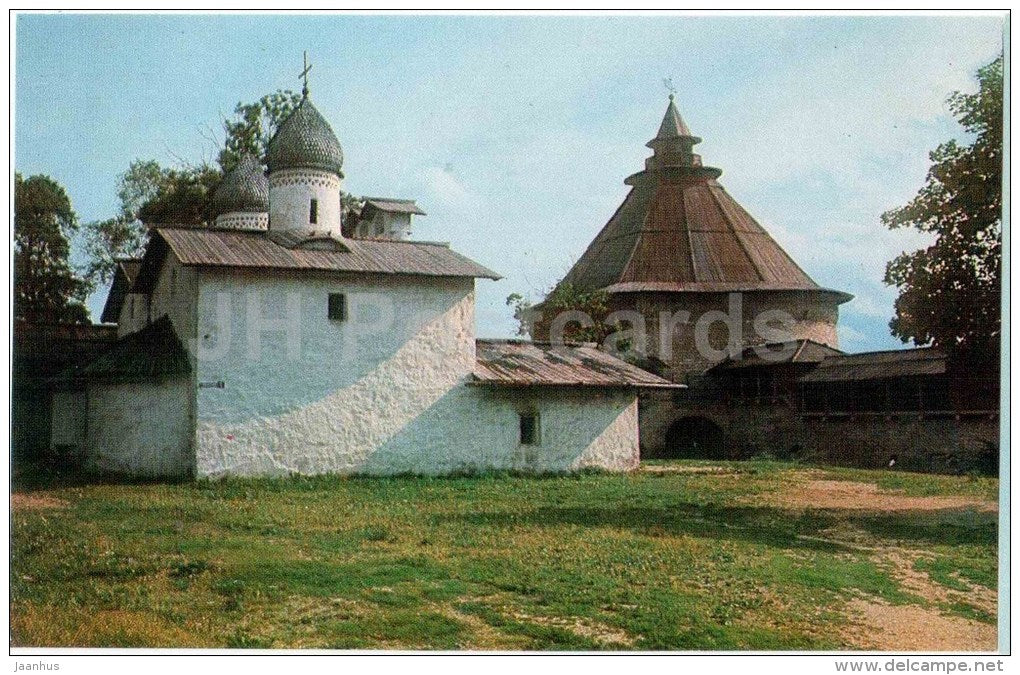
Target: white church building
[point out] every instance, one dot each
(271, 343)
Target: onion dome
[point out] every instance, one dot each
(305, 141)
(245, 189)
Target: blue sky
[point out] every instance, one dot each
(515, 133)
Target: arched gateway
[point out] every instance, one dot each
(694, 438)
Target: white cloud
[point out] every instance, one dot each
(449, 193)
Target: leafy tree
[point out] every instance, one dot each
(564, 298)
(254, 125)
(46, 289)
(151, 194)
(950, 291)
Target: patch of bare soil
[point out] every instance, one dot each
(22, 501)
(883, 627)
(593, 630)
(855, 496)
(874, 623)
(920, 584)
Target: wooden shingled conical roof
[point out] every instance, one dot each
(680, 231)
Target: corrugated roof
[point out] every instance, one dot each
(878, 365)
(241, 249)
(517, 363)
(394, 205)
(792, 351)
(153, 352)
(123, 276)
(678, 230)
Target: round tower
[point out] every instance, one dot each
(305, 161)
(705, 275)
(241, 202)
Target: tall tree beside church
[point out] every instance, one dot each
(950, 291)
(46, 288)
(151, 194)
(253, 126)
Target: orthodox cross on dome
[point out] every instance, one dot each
(304, 75)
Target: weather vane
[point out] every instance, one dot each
(304, 74)
(667, 82)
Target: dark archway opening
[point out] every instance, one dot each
(695, 438)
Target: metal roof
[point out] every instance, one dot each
(261, 250)
(123, 276)
(518, 363)
(792, 351)
(305, 141)
(394, 205)
(710, 287)
(673, 125)
(245, 189)
(679, 230)
(879, 365)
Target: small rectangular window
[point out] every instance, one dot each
(337, 307)
(530, 433)
(313, 214)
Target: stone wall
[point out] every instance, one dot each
(934, 443)
(814, 316)
(942, 444)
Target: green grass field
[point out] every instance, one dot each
(677, 556)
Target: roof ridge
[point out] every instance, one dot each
(932, 350)
(541, 343)
(443, 244)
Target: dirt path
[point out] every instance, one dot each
(28, 501)
(855, 496)
(875, 624)
(880, 626)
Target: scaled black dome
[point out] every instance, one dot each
(305, 141)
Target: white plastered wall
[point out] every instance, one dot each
(134, 314)
(383, 392)
(290, 195)
(140, 428)
(146, 428)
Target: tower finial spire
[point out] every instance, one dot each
(304, 75)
